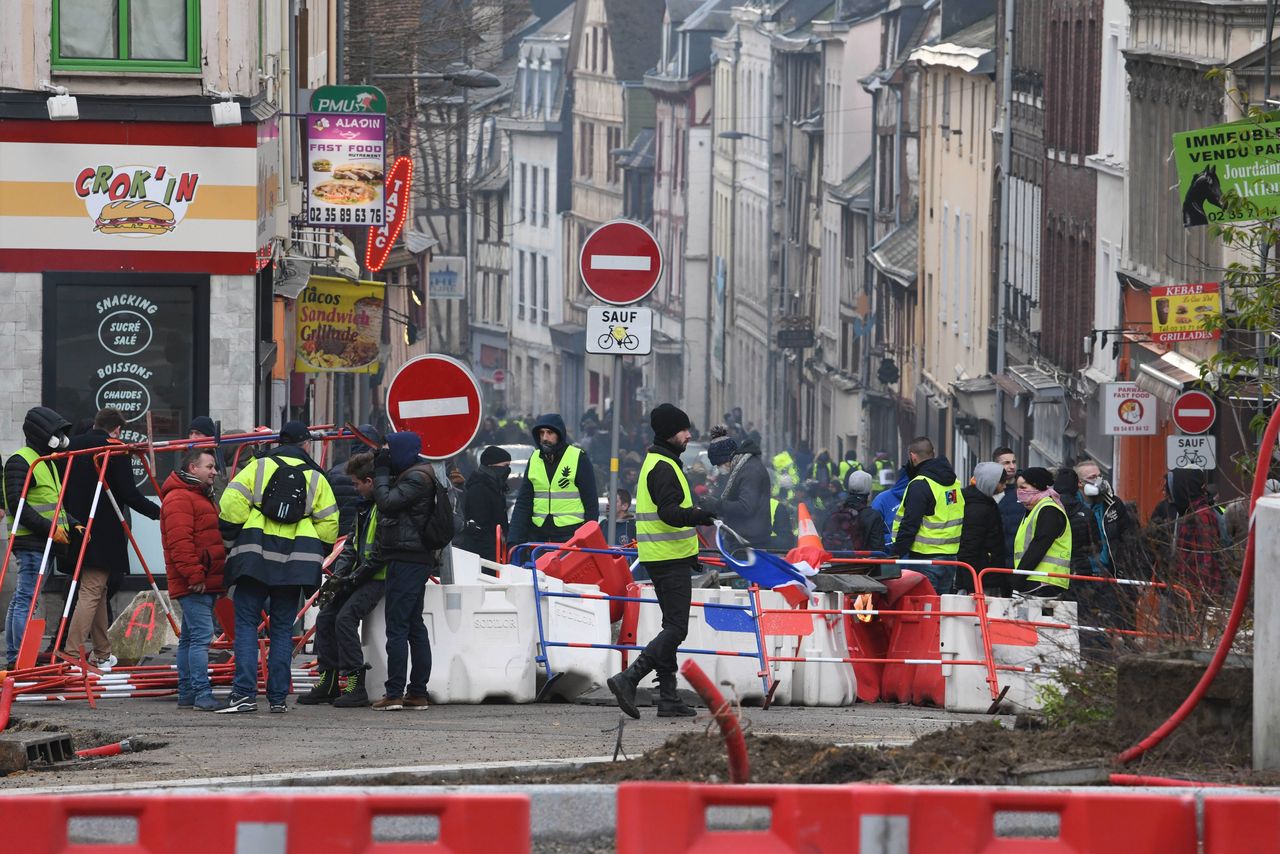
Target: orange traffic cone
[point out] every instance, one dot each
(809, 550)
(807, 530)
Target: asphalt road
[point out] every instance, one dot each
(318, 739)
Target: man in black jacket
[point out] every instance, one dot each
(668, 547)
(106, 558)
(559, 489)
(743, 500)
(931, 517)
(484, 503)
(1084, 530)
(404, 490)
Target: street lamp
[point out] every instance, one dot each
(466, 78)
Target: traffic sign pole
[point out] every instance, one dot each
(613, 455)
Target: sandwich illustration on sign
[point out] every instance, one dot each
(134, 217)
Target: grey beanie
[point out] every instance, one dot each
(987, 476)
(859, 483)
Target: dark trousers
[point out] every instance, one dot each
(338, 644)
(251, 597)
(406, 632)
(673, 585)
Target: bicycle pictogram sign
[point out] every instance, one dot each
(619, 331)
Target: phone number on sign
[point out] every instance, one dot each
(345, 216)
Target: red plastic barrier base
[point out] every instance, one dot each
(1242, 824)
(872, 640)
(630, 621)
(611, 574)
(220, 823)
(915, 636)
(902, 820)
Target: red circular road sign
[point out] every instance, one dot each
(1194, 412)
(499, 376)
(620, 262)
(437, 398)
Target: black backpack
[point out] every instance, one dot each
(439, 529)
(285, 498)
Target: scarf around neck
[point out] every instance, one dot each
(191, 480)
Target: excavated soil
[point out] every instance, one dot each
(972, 754)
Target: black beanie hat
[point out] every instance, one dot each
(1037, 477)
(294, 433)
(493, 455)
(667, 420)
(203, 424)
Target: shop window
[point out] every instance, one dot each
(126, 35)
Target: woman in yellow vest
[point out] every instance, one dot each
(668, 547)
(1043, 541)
(559, 489)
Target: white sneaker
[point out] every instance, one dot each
(107, 663)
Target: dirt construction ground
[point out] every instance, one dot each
(186, 745)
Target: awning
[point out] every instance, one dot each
(976, 397)
(897, 254)
(1043, 386)
(1168, 376)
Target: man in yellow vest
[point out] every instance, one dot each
(1043, 541)
(559, 489)
(668, 546)
(279, 520)
(932, 512)
(46, 432)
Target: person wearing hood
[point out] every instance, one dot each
(982, 532)
(668, 549)
(1043, 542)
(279, 521)
(484, 503)
(742, 501)
(854, 526)
(1085, 547)
(194, 556)
(559, 490)
(344, 488)
(929, 522)
(823, 469)
(46, 433)
(404, 490)
(106, 554)
(888, 501)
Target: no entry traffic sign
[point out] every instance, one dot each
(620, 262)
(437, 398)
(1194, 412)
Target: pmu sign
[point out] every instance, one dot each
(620, 262)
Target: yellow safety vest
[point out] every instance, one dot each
(655, 539)
(1057, 559)
(561, 501)
(846, 468)
(265, 541)
(939, 532)
(42, 491)
(364, 544)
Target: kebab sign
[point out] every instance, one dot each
(136, 200)
(346, 157)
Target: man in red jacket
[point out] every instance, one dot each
(193, 556)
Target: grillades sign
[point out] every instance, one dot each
(1242, 157)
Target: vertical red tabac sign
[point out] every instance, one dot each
(382, 238)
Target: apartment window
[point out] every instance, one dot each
(126, 35)
(533, 195)
(520, 284)
(546, 195)
(486, 207)
(595, 48)
(604, 49)
(586, 153)
(533, 287)
(524, 192)
(613, 139)
(546, 290)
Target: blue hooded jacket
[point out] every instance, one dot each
(404, 447)
(522, 527)
(886, 504)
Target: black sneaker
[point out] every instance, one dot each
(236, 705)
(278, 708)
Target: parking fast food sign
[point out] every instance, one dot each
(128, 196)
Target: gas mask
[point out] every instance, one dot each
(1092, 490)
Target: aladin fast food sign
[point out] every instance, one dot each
(120, 196)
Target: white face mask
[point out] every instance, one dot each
(1092, 490)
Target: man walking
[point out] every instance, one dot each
(415, 521)
(929, 522)
(559, 489)
(279, 520)
(360, 578)
(668, 547)
(194, 557)
(106, 557)
(46, 433)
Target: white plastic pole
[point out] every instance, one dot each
(1266, 635)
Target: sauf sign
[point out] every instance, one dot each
(382, 238)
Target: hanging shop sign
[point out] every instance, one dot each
(1242, 157)
(339, 326)
(136, 196)
(1178, 312)
(348, 99)
(382, 238)
(1128, 410)
(447, 277)
(345, 168)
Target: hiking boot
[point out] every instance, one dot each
(235, 705)
(416, 704)
(389, 704)
(623, 685)
(324, 691)
(669, 703)
(353, 696)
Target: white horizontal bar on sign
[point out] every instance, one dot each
(1195, 413)
(621, 262)
(434, 407)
